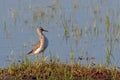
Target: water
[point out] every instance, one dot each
(20, 18)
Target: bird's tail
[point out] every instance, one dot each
(29, 53)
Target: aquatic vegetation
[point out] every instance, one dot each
(71, 56)
(14, 14)
(107, 21)
(80, 33)
(95, 29)
(75, 5)
(66, 31)
(76, 35)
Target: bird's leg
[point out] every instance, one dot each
(36, 58)
(42, 56)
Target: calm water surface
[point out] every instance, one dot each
(77, 26)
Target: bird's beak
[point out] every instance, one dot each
(45, 30)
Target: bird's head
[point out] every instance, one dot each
(41, 29)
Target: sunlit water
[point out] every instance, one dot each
(20, 18)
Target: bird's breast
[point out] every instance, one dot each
(44, 44)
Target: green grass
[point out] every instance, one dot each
(55, 70)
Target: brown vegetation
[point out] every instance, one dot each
(57, 71)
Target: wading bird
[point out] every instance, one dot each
(41, 45)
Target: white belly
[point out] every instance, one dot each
(37, 51)
(43, 46)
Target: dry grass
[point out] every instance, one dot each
(52, 70)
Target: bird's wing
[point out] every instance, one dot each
(35, 47)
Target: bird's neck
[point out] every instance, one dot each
(40, 33)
